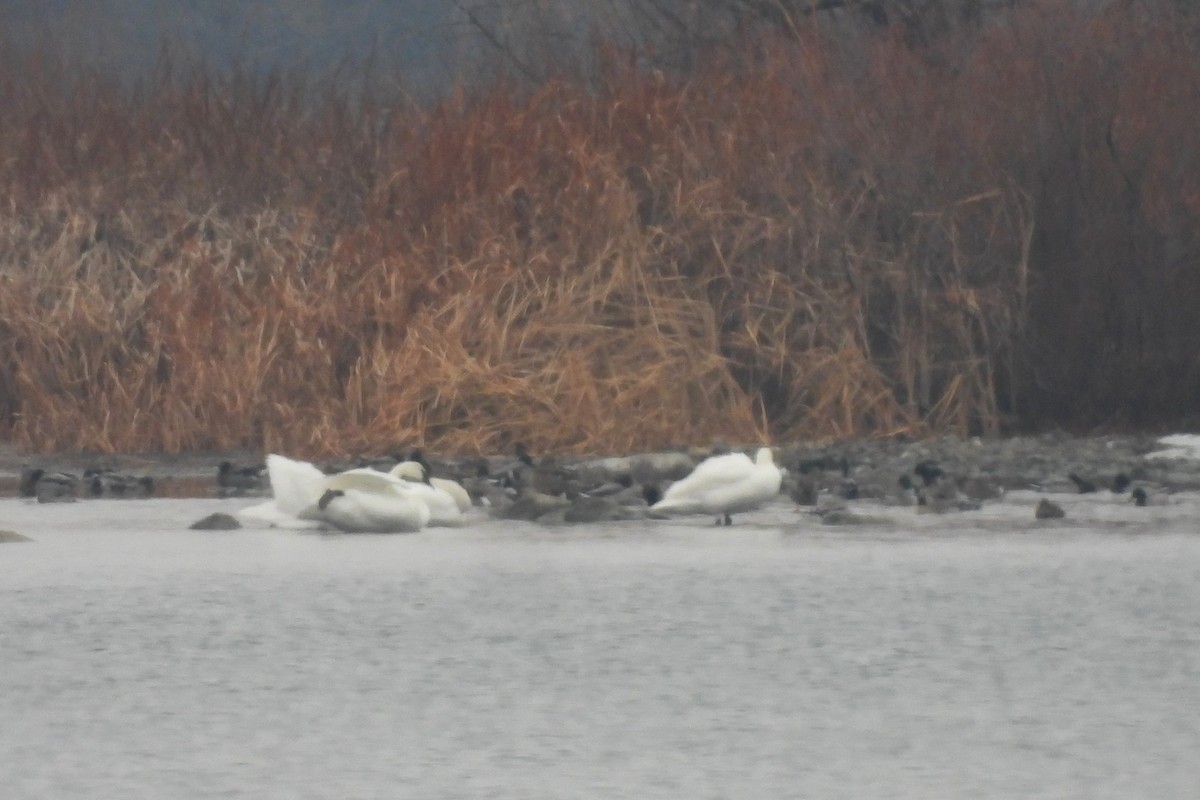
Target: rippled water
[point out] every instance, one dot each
(967, 656)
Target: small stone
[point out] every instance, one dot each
(13, 536)
(595, 509)
(842, 516)
(1049, 510)
(216, 522)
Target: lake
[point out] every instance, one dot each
(966, 655)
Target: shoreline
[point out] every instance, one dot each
(1012, 462)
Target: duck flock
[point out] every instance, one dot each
(57, 487)
(404, 494)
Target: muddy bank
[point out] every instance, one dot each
(1013, 462)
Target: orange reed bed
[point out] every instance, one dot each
(817, 242)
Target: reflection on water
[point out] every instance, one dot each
(775, 659)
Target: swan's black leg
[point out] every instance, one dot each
(728, 520)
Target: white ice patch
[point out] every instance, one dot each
(1179, 446)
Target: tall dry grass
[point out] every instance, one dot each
(817, 241)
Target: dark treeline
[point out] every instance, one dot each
(779, 220)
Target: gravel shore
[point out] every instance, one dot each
(1010, 462)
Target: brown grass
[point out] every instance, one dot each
(833, 242)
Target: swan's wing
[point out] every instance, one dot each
(443, 508)
(709, 474)
(359, 511)
(750, 491)
(365, 479)
(724, 465)
(296, 485)
(455, 489)
(409, 471)
(413, 472)
(269, 513)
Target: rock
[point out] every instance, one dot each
(656, 467)
(216, 522)
(641, 468)
(596, 509)
(13, 536)
(842, 516)
(1048, 510)
(596, 471)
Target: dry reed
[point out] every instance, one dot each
(826, 244)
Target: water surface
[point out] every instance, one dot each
(965, 656)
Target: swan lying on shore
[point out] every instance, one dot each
(355, 501)
(724, 485)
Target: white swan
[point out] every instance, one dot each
(417, 472)
(355, 501)
(296, 486)
(724, 485)
(444, 509)
(369, 501)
